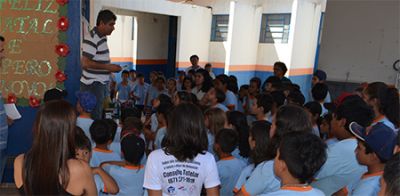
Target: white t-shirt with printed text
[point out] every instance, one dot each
(164, 172)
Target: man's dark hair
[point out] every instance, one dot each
(354, 109)
(81, 140)
(314, 108)
(391, 175)
(105, 16)
(265, 101)
(319, 91)
(186, 136)
(2, 38)
(303, 153)
(132, 71)
(208, 65)
(194, 56)
(227, 139)
(100, 132)
(220, 95)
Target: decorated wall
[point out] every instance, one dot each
(48, 27)
(35, 32)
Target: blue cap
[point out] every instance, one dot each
(321, 75)
(380, 138)
(87, 101)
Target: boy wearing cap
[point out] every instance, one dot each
(341, 167)
(129, 173)
(85, 105)
(375, 148)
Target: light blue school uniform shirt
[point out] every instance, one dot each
(229, 170)
(123, 92)
(99, 156)
(222, 107)
(129, 178)
(367, 185)
(99, 184)
(386, 122)
(141, 91)
(159, 137)
(236, 154)
(262, 180)
(331, 141)
(340, 169)
(84, 124)
(297, 191)
(115, 146)
(244, 175)
(230, 99)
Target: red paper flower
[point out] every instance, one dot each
(33, 101)
(11, 98)
(60, 76)
(62, 2)
(62, 50)
(63, 23)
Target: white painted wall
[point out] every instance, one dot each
(270, 53)
(246, 30)
(194, 22)
(360, 40)
(120, 41)
(305, 25)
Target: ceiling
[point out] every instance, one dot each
(204, 3)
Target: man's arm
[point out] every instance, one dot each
(90, 64)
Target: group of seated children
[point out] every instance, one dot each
(264, 140)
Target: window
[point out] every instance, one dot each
(275, 28)
(219, 28)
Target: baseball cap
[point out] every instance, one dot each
(321, 75)
(87, 101)
(380, 138)
(54, 94)
(133, 148)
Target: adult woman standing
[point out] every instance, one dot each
(49, 167)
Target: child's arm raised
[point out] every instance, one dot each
(110, 186)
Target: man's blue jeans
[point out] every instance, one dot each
(99, 90)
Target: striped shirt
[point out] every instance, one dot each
(96, 49)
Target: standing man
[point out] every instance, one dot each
(4, 121)
(194, 60)
(96, 67)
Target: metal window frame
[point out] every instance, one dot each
(216, 30)
(266, 33)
